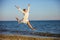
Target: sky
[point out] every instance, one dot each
(39, 9)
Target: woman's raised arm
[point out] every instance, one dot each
(28, 7)
(19, 9)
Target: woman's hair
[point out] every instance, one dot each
(24, 9)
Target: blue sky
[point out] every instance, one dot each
(39, 9)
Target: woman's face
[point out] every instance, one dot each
(25, 10)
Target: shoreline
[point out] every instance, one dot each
(25, 37)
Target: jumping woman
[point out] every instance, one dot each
(26, 15)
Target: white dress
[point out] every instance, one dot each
(25, 18)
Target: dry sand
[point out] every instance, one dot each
(20, 37)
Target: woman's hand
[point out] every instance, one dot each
(17, 7)
(29, 5)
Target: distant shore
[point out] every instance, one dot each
(23, 37)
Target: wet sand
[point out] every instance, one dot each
(24, 37)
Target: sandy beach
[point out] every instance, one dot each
(24, 37)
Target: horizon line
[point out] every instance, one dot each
(31, 20)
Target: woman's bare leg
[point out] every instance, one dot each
(28, 23)
(18, 20)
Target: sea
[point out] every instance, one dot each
(41, 26)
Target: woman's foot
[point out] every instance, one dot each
(33, 29)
